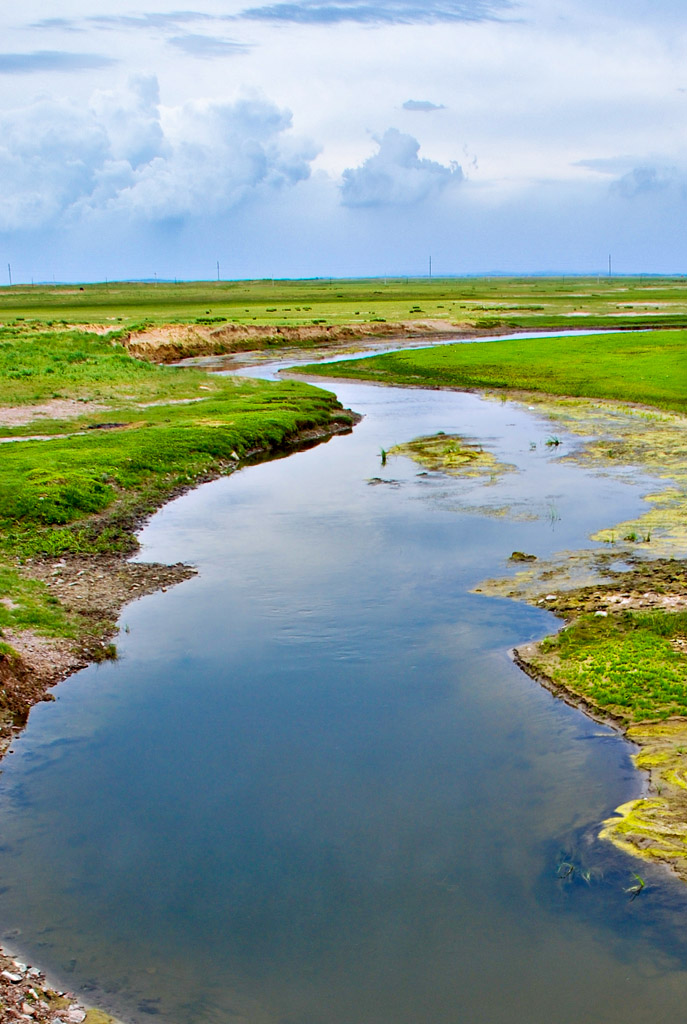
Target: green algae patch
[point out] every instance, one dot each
(98, 1017)
(612, 436)
(453, 454)
(546, 580)
(655, 826)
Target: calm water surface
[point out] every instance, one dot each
(314, 789)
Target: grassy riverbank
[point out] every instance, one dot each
(622, 656)
(648, 368)
(94, 441)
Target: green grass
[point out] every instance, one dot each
(649, 368)
(85, 490)
(624, 664)
(27, 604)
(486, 303)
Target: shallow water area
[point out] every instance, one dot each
(314, 789)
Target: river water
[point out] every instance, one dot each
(314, 789)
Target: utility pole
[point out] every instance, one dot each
(218, 270)
(430, 266)
(9, 273)
(610, 272)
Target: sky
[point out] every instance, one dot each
(343, 138)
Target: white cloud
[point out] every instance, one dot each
(131, 119)
(395, 175)
(49, 153)
(122, 152)
(422, 106)
(207, 46)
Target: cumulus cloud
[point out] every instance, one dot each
(422, 106)
(395, 175)
(121, 152)
(51, 60)
(403, 12)
(130, 118)
(207, 46)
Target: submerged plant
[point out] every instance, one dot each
(552, 515)
(635, 889)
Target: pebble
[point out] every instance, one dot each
(9, 976)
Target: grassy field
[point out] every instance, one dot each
(482, 303)
(628, 664)
(120, 437)
(648, 367)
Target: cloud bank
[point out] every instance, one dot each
(396, 176)
(121, 153)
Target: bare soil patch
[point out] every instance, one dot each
(55, 409)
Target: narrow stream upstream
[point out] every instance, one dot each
(314, 789)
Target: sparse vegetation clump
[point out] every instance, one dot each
(450, 453)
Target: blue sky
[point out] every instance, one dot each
(342, 137)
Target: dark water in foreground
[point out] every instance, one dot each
(314, 789)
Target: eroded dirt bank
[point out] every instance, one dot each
(169, 343)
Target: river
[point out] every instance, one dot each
(314, 788)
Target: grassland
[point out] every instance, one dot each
(483, 304)
(649, 367)
(145, 431)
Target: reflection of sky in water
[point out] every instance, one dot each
(314, 789)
